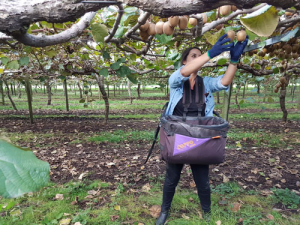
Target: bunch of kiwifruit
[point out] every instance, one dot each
(240, 36)
(167, 26)
(282, 50)
(283, 82)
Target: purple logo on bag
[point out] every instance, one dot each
(185, 143)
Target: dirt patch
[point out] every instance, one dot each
(252, 167)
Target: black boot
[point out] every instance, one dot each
(162, 218)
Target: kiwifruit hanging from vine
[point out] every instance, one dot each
(286, 13)
(145, 26)
(220, 26)
(271, 54)
(204, 18)
(144, 35)
(168, 29)
(159, 27)
(193, 21)
(225, 10)
(281, 55)
(231, 35)
(261, 53)
(295, 55)
(177, 44)
(278, 85)
(241, 35)
(173, 20)
(287, 55)
(282, 80)
(233, 8)
(151, 29)
(287, 48)
(295, 48)
(250, 53)
(183, 22)
(276, 90)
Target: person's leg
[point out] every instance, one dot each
(172, 178)
(171, 181)
(200, 174)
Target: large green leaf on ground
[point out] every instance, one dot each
(262, 22)
(20, 171)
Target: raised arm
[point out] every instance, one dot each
(235, 54)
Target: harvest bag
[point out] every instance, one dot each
(192, 140)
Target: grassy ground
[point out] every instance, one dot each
(97, 202)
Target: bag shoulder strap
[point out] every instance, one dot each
(156, 133)
(187, 96)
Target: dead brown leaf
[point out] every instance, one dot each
(270, 217)
(155, 211)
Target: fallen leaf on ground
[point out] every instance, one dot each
(117, 207)
(218, 222)
(185, 217)
(59, 197)
(114, 217)
(270, 217)
(146, 187)
(155, 211)
(235, 207)
(66, 221)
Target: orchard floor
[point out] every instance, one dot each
(72, 156)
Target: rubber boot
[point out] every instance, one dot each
(163, 216)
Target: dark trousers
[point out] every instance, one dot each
(200, 174)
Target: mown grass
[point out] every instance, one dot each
(117, 204)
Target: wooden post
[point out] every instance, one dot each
(2, 92)
(226, 103)
(29, 99)
(66, 94)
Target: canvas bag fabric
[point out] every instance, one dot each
(193, 140)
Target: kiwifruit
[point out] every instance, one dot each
(241, 35)
(292, 41)
(231, 35)
(204, 18)
(144, 35)
(250, 53)
(220, 26)
(173, 20)
(265, 50)
(287, 55)
(276, 90)
(295, 48)
(151, 29)
(295, 55)
(282, 80)
(225, 10)
(288, 13)
(261, 53)
(177, 44)
(287, 48)
(278, 85)
(193, 21)
(252, 64)
(233, 8)
(271, 54)
(183, 22)
(281, 55)
(159, 27)
(145, 26)
(186, 16)
(283, 62)
(168, 29)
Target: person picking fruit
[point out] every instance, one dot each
(192, 60)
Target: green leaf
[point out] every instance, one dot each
(13, 65)
(120, 32)
(23, 61)
(276, 70)
(106, 55)
(270, 99)
(177, 64)
(257, 66)
(124, 70)
(133, 57)
(99, 32)
(82, 100)
(10, 205)
(133, 78)
(103, 72)
(213, 38)
(4, 60)
(121, 60)
(1, 70)
(51, 53)
(262, 22)
(115, 66)
(241, 102)
(20, 171)
(163, 39)
(222, 61)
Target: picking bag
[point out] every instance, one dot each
(192, 140)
